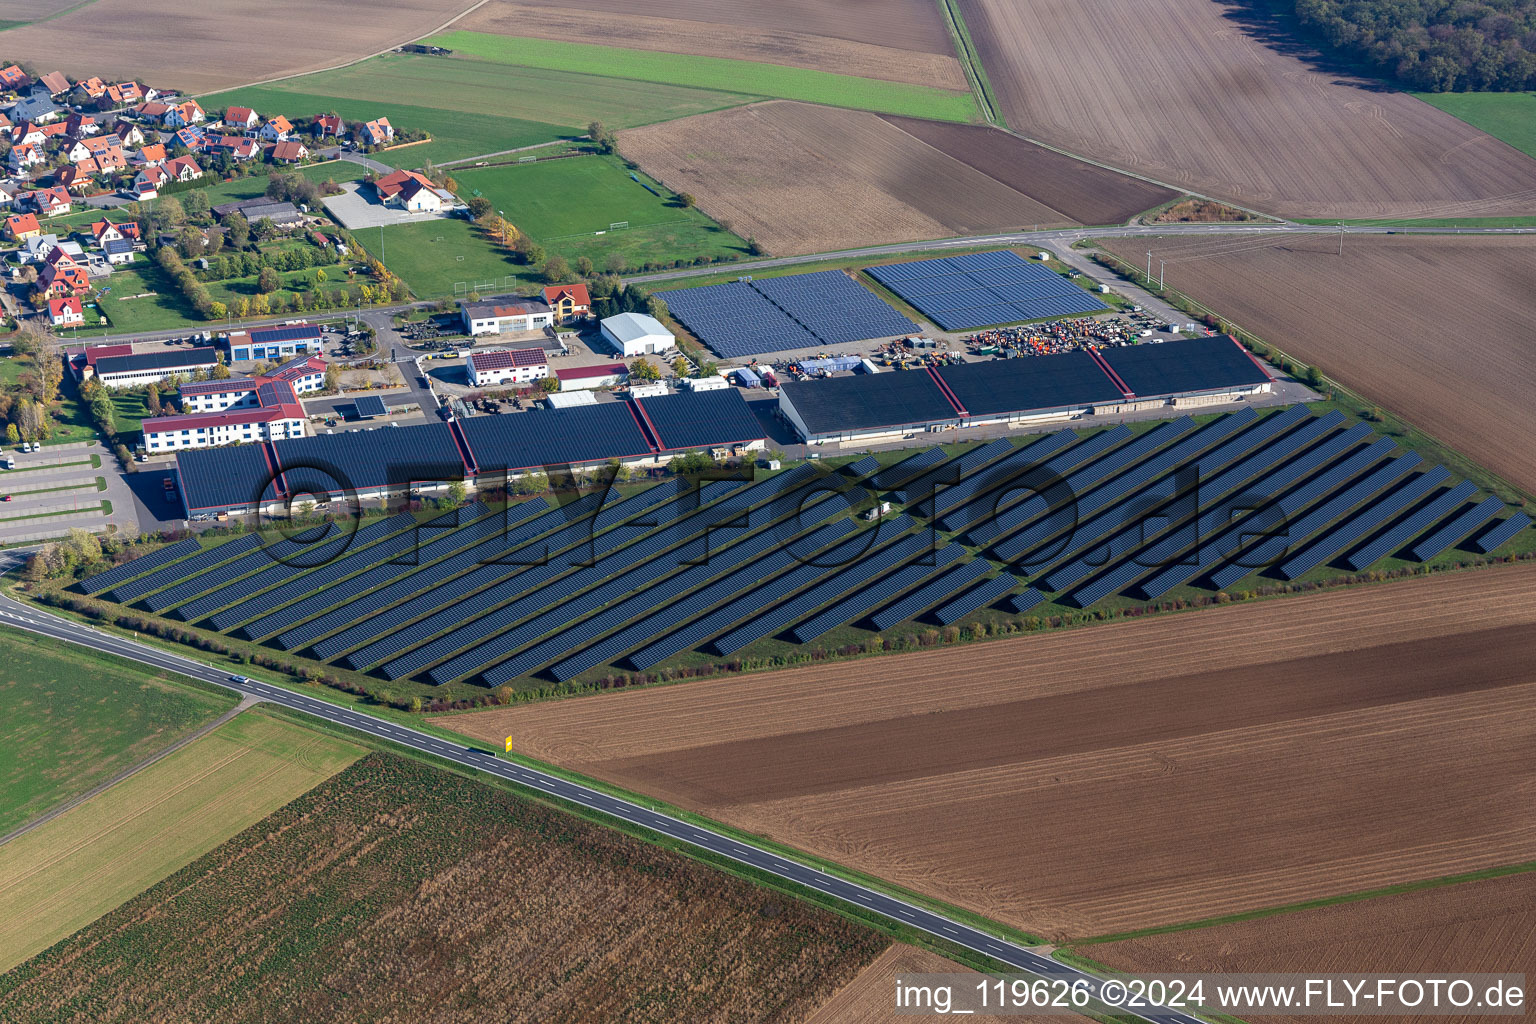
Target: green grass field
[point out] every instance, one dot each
(431, 267)
(475, 107)
(75, 719)
(1508, 116)
(564, 203)
(718, 73)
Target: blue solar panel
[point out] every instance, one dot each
(951, 473)
(930, 594)
(1472, 519)
(1007, 470)
(1501, 534)
(850, 608)
(1024, 601)
(127, 593)
(1362, 523)
(263, 558)
(976, 598)
(141, 565)
(965, 292)
(1414, 524)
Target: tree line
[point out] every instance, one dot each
(1433, 45)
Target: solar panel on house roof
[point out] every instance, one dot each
(369, 406)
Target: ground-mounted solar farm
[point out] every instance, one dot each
(638, 579)
(778, 314)
(961, 293)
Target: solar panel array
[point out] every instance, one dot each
(850, 608)
(260, 558)
(931, 593)
(1351, 530)
(740, 318)
(1453, 530)
(141, 565)
(1501, 534)
(127, 593)
(1398, 535)
(975, 599)
(964, 292)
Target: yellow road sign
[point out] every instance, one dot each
(509, 744)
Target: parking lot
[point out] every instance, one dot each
(49, 492)
(357, 208)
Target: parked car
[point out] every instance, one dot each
(6, 497)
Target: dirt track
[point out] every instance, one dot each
(1182, 90)
(1437, 329)
(1486, 926)
(1119, 776)
(780, 44)
(805, 178)
(217, 44)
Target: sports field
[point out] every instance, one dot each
(563, 204)
(433, 256)
(68, 872)
(741, 76)
(73, 720)
(473, 107)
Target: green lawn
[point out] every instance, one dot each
(74, 719)
(1509, 116)
(563, 204)
(70, 420)
(433, 256)
(718, 73)
(474, 107)
(163, 310)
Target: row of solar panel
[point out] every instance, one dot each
(256, 559)
(140, 566)
(127, 593)
(917, 269)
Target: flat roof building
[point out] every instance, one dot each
(501, 366)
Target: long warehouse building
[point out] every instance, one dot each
(482, 451)
(1039, 389)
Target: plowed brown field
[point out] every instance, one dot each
(218, 44)
(781, 44)
(1182, 90)
(868, 999)
(1485, 926)
(1434, 328)
(806, 178)
(1125, 775)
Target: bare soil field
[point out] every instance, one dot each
(1146, 772)
(777, 44)
(1082, 191)
(1482, 926)
(206, 46)
(1184, 91)
(868, 998)
(807, 178)
(899, 24)
(399, 892)
(1435, 328)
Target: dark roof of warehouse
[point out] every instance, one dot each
(368, 458)
(1183, 367)
(864, 401)
(554, 437)
(166, 359)
(1019, 385)
(223, 477)
(704, 419)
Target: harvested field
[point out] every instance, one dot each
(781, 44)
(1481, 926)
(1082, 191)
(400, 892)
(805, 178)
(1385, 731)
(69, 871)
(1187, 92)
(867, 999)
(212, 38)
(1434, 328)
(899, 24)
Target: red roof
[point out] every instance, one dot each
(578, 293)
(96, 352)
(161, 424)
(57, 306)
(584, 372)
(22, 222)
(505, 360)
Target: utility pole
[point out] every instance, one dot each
(1149, 266)
(1341, 238)
(1160, 264)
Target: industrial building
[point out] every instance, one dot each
(506, 317)
(282, 342)
(483, 451)
(501, 366)
(119, 366)
(305, 374)
(636, 334)
(1040, 389)
(590, 378)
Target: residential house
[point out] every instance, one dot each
(37, 106)
(236, 147)
(148, 182)
(182, 114)
(276, 130)
(75, 150)
(193, 138)
(93, 87)
(152, 110)
(26, 156)
(373, 133)
(568, 301)
(241, 117)
(8, 193)
(118, 252)
(66, 311)
(110, 160)
(78, 177)
(81, 125)
(65, 277)
(151, 155)
(50, 202)
(55, 83)
(183, 168)
(13, 77)
(288, 152)
(104, 231)
(26, 133)
(412, 191)
(328, 125)
(128, 133)
(491, 369)
(5, 122)
(126, 93)
(21, 226)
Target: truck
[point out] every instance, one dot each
(769, 379)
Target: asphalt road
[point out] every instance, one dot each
(17, 615)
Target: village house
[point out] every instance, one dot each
(411, 191)
(13, 77)
(183, 114)
(276, 130)
(241, 117)
(152, 110)
(80, 125)
(327, 125)
(152, 155)
(93, 88)
(287, 152)
(126, 93)
(49, 202)
(21, 226)
(128, 133)
(568, 301)
(55, 83)
(66, 311)
(62, 277)
(236, 147)
(26, 156)
(373, 133)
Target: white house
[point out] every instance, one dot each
(206, 430)
(65, 312)
(636, 334)
(488, 369)
(506, 317)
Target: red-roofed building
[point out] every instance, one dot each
(586, 378)
(62, 278)
(373, 133)
(519, 366)
(278, 129)
(154, 110)
(126, 92)
(93, 87)
(22, 226)
(183, 168)
(505, 317)
(55, 82)
(81, 125)
(183, 114)
(66, 311)
(568, 301)
(411, 191)
(327, 125)
(288, 152)
(13, 77)
(152, 155)
(241, 117)
(50, 202)
(208, 430)
(128, 133)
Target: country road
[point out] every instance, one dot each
(20, 616)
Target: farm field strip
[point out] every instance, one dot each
(807, 759)
(716, 73)
(71, 870)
